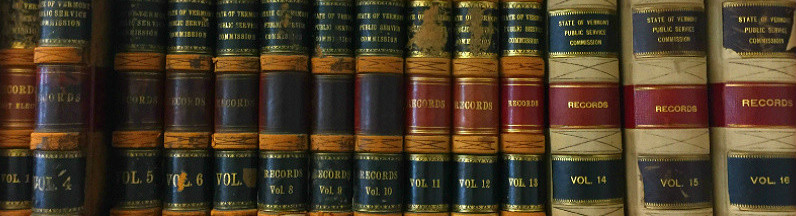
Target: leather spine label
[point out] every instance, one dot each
(65, 23)
(283, 102)
(21, 24)
(137, 178)
(236, 180)
(428, 105)
(588, 179)
(15, 178)
(761, 182)
(189, 26)
(331, 182)
(758, 28)
(141, 94)
(381, 27)
(476, 29)
(428, 187)
(283, 181)
(583, 33)
(676, 182)
(584, 105)
(18, 97)
(523, 28)
(238, 25)
(753, 105)
(379, 104)
(236, 102)
(474, 189)
(522, 105)
(666, 106)
(143, 24)
(189, 104)
(58, 182)
(188, 180)
(333, 104)
(475, 106)
(284, 27)
(669, 31)
(334, 28)
(377, 183)
(430, 28)
(523, 183)
(62, 97)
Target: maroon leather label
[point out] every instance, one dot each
(584, 105)
(428, 105)
(17, 98)
(661, 106)
(753, 105)
(522, 105)
(475, 106)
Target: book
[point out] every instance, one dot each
(476, 108)
(428, 107)
(522, 108)
(237, 79)
(587, 175)
(667, 144)
(752, 92)
(18, 38)
(188, 109)
(138, 123)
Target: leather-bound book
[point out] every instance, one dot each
(284, 102)
(428, 107)
(19, 34)
(237, 67)
(188, 109)
(667, 142)
(522, 108)
(379, 108)
(587, 175)
(476, 108)
(753, 119)
(332, 109)
(138, 130)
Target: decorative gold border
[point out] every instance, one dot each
(523, 157)
(586, 158)
(283, 154)
(673, 158)
(582, 11)
(428, 157)
(378, 156)
(484, 159)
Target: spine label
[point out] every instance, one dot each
(523, 28)
(236, 180)
(666, 106)
(583, 32)
(676, 183)
(21, 24)
(15, 178)
(138, 178)
(143, 24)
(379, 104)
(333, 106)
(522, 106)
(380, 24)
(523, 183)
(759, 104)
(237, 22)
(65, 23)
(761, 181)
(188, 180)
(428, 185)
(476, 98)
(283, 181)
(429, 28)
(142, 98)
(591, 105)
(474, 187)
(588, 179)
(476, 29)
(428, 105)
(188, 102)
(331, 182)
(282, 103)
(189, 26)
(62, 97)
(284, 26)
(668, 31)
(334, 28)
(18, 94)
(58, 182)
(377, 182)
(236, 102)
(758, 28)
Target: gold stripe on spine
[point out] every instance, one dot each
(588, 202)
(332, 143)
(189, 62)
(16, 57)
(379, 64)
(486, 159)
(235, 141)
(384, 144)
(429, 157)
(759, 3)
(761, 155)
(186, 140)
(137, 139)
(586, 158)
(139, 61)
(283, 142)
(57, 141)
(333, 65)
(284, 63)
(240, 64)
(59, 55)
(15, 138)
(677, 206)
(472, 144)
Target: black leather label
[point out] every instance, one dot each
(334, 28)
(283, 102)
(759, 29)
(377, 182)
(142, 25)
(189, 26)
(65, 23)
(523, 28)
(285, 26)
(428, 189)
(430, 25)
(588, 179)
(188, 180)
(236, 102)
(583, 32)
(236, 179)
(761, 182)
(381, 26)
(523, 183)
(238, 25)
(679, 182)
(669, 31)
(15, 178)
(474, 189)
(380, 100)
(283, 181)
(58, 182)
(137, 178)
(331, 182)
(477, 24)
(333, 104)
(21, 24)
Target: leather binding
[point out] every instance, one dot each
(428, 107)
(138, 131)
(235, 138)
(63, 86)
(587, 176)
(752, 92)
(188, 109)
(332, 122)
(378, 108)
(18, 37)
(522, 108)
(476, 108)
(667, 151)
(284, 102)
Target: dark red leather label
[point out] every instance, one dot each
(428, 105)
(753, 105)
(475, 106)
(522, 105)
(584, 105)
(682, 106)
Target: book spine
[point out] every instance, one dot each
(138, 132)
(476, 112)
(60, 131)
(378, 108)
(428, 107)
(587, 175)
(753, 117)
(284, 103)
(667, 151)
(522, 108)
(332, 124)
(235, 138)
(18, 37)
(188, 109)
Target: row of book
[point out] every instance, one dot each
(390, 107)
